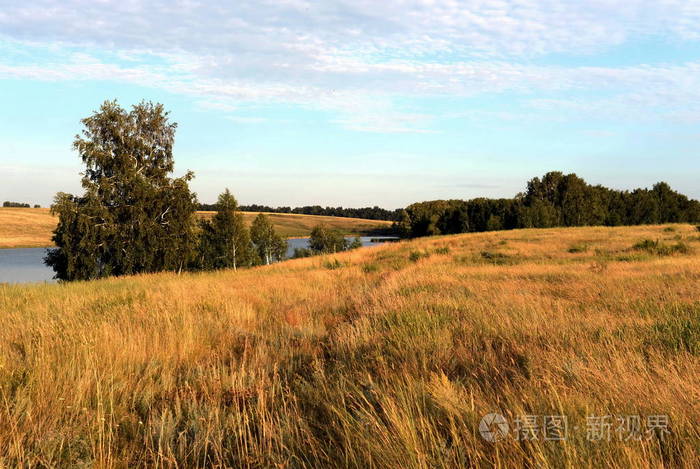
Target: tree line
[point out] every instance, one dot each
(134, 217)
(7, 203)
(370, 213)
(556, 199)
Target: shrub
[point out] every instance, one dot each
(356, 243)
(576, 248)
(332, 265)
(682, 248)
(496, 258)
(325, 240)
(415, 256)
(442, 250)
(658, 248)
(647, 245)
(302, 252)
(369, 268)
(669, 229)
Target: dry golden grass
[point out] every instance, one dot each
(32, 227)
(387, 358)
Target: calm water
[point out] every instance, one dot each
(24, 265)
(293, 244)
(27, 265)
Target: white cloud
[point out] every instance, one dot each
(359, 59)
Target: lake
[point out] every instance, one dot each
(296, 243)
(24, 265)
(27, 264)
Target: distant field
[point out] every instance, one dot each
(25, 227)
(292, 225)
(382, 357)
(32, 227)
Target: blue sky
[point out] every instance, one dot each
(356, 103)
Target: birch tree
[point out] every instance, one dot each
(133, 216)
(226, 238)
(269, 245)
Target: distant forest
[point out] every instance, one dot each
(371, 213)
(7, 203)
(554, 200)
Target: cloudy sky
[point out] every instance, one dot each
(361, 102)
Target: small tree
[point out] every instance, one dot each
(302, 252)
(356, 243)
(225, 241)
(324, 240)
(269, 245)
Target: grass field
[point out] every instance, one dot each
(382, 357)
(32, 227)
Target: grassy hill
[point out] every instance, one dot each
(382, 357)
(32, 227)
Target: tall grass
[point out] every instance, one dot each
(388, 361)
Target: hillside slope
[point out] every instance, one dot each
(389, 357)
(32, 227)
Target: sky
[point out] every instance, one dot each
(360, 102)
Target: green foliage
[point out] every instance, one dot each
(7, 203)
(433, 218)
(415, 256)
(269, 245)
(648, 245)
(403, 226)
(302, 252)
(225, 240)
(323, 240)
(659, 248)
(554, 200)
(577, 248)
(678, 334)
(442, 250)
(538, 214)
(133, 217)
(496, 258)
(356, 243)
(494, 223)
(369, 268)
(333, 264)
(369, 213)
